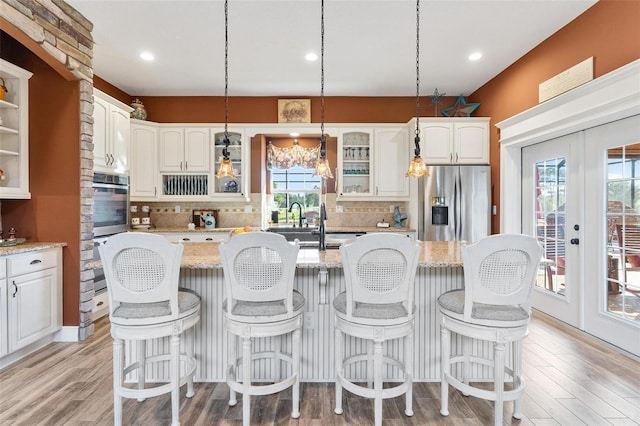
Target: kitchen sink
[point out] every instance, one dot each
(301, 234)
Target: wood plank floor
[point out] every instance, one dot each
(572, 379)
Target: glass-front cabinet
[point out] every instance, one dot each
(355, 164)
(231, 188)
(14, 127)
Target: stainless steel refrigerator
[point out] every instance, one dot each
(455, 204)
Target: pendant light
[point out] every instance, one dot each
(322, 164)
(417, 167)
(226, 167)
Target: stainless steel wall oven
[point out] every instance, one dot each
(110, 204)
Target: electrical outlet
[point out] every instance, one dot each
(391, 208)
(494, 210)
(339, 209)
(309, 320)
(176, 209)
(248, 209)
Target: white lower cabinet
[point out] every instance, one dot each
(31, 298)
(195, 237)
(4, 330)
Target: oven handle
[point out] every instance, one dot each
(109, 186)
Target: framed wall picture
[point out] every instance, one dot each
(294, 110)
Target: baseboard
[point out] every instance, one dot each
(66, 334)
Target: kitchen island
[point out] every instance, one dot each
(320, 278)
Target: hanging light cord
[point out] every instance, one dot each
(417, 139)
(225, 151)
(322, 137)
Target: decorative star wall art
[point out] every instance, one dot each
(435, 100)
(461, 108)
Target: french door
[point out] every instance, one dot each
(551, 210)
(612, 289)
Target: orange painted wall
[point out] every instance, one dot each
(53, 213)
(609, 31)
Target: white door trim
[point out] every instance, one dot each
(611, 97)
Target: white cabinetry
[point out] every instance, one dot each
(371, 164)
(14, 133)
(184, 150)
(4, 330)
(355, 164)
(239, 150)
(111, 133)
(463, 140)
(392, 160)
(32, 297)
(196, 237)
(144, 161)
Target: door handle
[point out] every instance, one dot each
(15, 289)
(575, 241)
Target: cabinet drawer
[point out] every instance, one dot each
(3, 269)
(31, 262)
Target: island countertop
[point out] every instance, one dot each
(433, 254)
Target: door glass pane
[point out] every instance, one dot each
(623, 232)
(550, 190)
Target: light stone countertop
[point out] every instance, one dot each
(329, 229)
(28, 247)
(434, 254)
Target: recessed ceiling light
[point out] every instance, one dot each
(475, 56)
(147, 56)
(294, 134)
(311, 57)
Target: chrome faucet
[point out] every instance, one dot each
(299, 209)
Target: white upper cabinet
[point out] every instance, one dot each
(463, 140)
(371, 164)
(14, 133)
(392, 160)
(239, 154)
(184, 149)
(111, 134)
(144, 161)
(355, 164)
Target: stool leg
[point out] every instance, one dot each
(517, 376)
(175, 380)
(277, 341)
(338, 366)
(445, 349)
(246, 380)
(295, 353)
(142, 364)
(498, 380)
(466, 354)
(118, 356)
(377, 382)
(232, 368)
(408, 371)
(370, 366)
(190, 342)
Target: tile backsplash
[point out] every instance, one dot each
(235, 214)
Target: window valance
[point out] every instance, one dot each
(286, 158)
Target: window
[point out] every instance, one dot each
(296, 184)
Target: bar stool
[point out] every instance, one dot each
(142, 273)
(495, 305)
(259, 269)
(378, 306)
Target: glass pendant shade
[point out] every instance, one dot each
(417, 168)
(322, 169)
(226, 169)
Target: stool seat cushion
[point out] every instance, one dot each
(187, 300)
(453, 301)
(265, 309)
(371, 310)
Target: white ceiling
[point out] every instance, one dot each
(370, 46)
